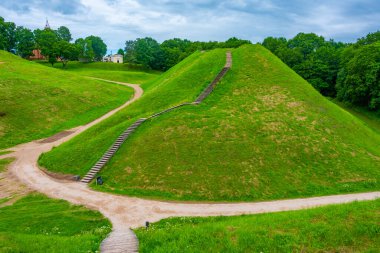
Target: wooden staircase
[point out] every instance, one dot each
(122, 137)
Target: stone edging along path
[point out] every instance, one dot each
(123, 136)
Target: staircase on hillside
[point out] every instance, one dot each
(111, 151)
(122, 137)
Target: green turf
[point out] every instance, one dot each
(37, 101)
(351, 227)
(111, 71)
(180, 84)
(370, 118)
(38, 224)
(4, 200)
(264, 133)
(4, 163)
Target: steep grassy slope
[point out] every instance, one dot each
(110, 71)
(342, 228)
(180, 84)
(38, 224)
(37, 101)
(264, 133)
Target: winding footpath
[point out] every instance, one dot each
(130, 212)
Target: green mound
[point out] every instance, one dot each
(264, 133)
(38, 101)
(182, 83)
(38, 224)
(341, 228)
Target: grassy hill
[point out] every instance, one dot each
(342, 228)
(37, 101)
(180, 84)
(264, 133)
(108, 70)
(36, 223)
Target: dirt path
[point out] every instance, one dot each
(129, 212)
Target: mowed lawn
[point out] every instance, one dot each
(36, 223)
(181, 83)
(351, 227)
(110, 71)
(37, 101)
(263, 134)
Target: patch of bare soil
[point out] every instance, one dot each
(56, 137)
(59, 176)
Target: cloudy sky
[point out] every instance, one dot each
(119, 20)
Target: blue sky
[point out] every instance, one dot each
(119, 20)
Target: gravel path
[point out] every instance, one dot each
(129, 212)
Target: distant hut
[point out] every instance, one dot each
(115, 58)
(36, 55)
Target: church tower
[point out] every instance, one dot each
(47, 26)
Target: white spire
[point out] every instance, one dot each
(47, 26)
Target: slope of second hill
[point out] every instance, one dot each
(264, 133)
(38, 101)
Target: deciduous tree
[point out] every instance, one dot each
(98, 47)
(63, 33)
(25, 42)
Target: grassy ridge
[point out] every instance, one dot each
(110, 71)
(37, 101)
(264, 133)
(38, 224)
(342, 228)
(180, 84)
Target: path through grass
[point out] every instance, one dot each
(263, 134)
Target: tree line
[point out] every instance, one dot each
(54, 44)
(162, 56)
(347, 71)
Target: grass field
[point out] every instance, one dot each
(36, 223)
(342, 228)
(180, 84)
(264, 133)
(110, 71)
(37, 101)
